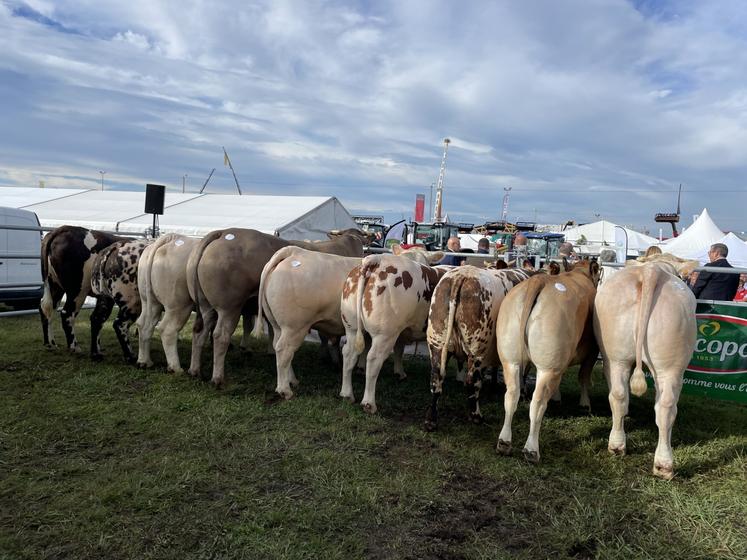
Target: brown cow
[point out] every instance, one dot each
(546, 320)
(67, 255)
(223, 274)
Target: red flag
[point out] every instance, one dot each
(419, 207)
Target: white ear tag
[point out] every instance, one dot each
(560, 287)
(230, 236)
(294, 264)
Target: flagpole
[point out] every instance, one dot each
(227, 160)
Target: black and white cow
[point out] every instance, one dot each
(67, 255)
(114, 280)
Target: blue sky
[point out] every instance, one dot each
(584, 108)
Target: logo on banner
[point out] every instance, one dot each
(721, 347)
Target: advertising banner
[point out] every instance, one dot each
(718, 367)
(419, 207)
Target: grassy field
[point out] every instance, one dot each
(107, 461)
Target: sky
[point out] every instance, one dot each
(586, 109)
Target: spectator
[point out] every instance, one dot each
(653, 250)
(742, 291)
(453, 245)
(716, 285)
(566, 250)
(483, 246)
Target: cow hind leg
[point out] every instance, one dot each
(668, 387)
(349, 359)
(203, 326)
(67, 316)
(381, 347)
(548, 381)
(146, 324)
(169, 327)
(473, 400)
(101, 313)
(286, 345)
(584, 381)
(437, 387)
(224, 327)
(121, 325)
(399, 350)
(617, 374)
(47, 307)
(511, 377)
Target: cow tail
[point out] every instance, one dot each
(46, 305)
(535, 285)
(275, 260)
(368, 265)
(193, 282)
(456, 286)
(650, 278)
(145, 284)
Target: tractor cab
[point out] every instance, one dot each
(544, 245)
(432, 235)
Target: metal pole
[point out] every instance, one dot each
(206, 180)
(184, 181)
(228, 160)
(102, 179)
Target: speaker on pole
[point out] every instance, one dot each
(154, 195)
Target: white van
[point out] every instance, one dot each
(20, 265)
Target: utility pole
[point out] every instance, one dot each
(506, 198)
(102, 179)
(430, 201)
(184, 182)
(440, 186)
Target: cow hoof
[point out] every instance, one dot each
(218, 383)
(75, 349)
(294, 382)
(503, 447)
(369, 408)
(430, 426)
(130, 360)
(531, 456)
(97, 357)
(475, 418)
(349, 398)
(586, 408)
(176, 371)
(665, 472)
(142, 365)
(51, 346)
(286, 394)
(193, 373)
(616, 450)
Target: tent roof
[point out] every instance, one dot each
(701, 235)
(737, 251)
(604, 231)
(300, 217)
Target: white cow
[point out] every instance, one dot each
(162, 282)
(300, 290)
(388, 297)
(645, 314)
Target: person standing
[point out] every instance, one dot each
(716, 285)
(453, 245)
(483, 246)
(741, 294)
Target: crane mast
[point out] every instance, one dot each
(506, 197)
(440, 185)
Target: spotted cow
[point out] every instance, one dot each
(67, 255)
(461, 321)
(162, 283)
(387, 296)
(114, 280)
(546, 320)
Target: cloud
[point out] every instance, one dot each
(580, 107)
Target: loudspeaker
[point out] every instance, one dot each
(154, 195)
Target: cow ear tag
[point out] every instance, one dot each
(230, 236)
(560, 287)
(294, 264)
(179, 242)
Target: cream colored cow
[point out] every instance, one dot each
(388, 297)
(546, 320)
(162, 282)
(300, 290)
(645, 314)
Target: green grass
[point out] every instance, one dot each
(107, 461)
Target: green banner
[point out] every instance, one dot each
(718, 367)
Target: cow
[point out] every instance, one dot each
(162, 283)
(645, 314)
(114, 280)
(461, 321)
(546, 320)
(388, 297)
(223, 275)
(67, 255)
(300, 290)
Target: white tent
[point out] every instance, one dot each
(701, 235)
(290, 217)
(737, 251)
(601, 232)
